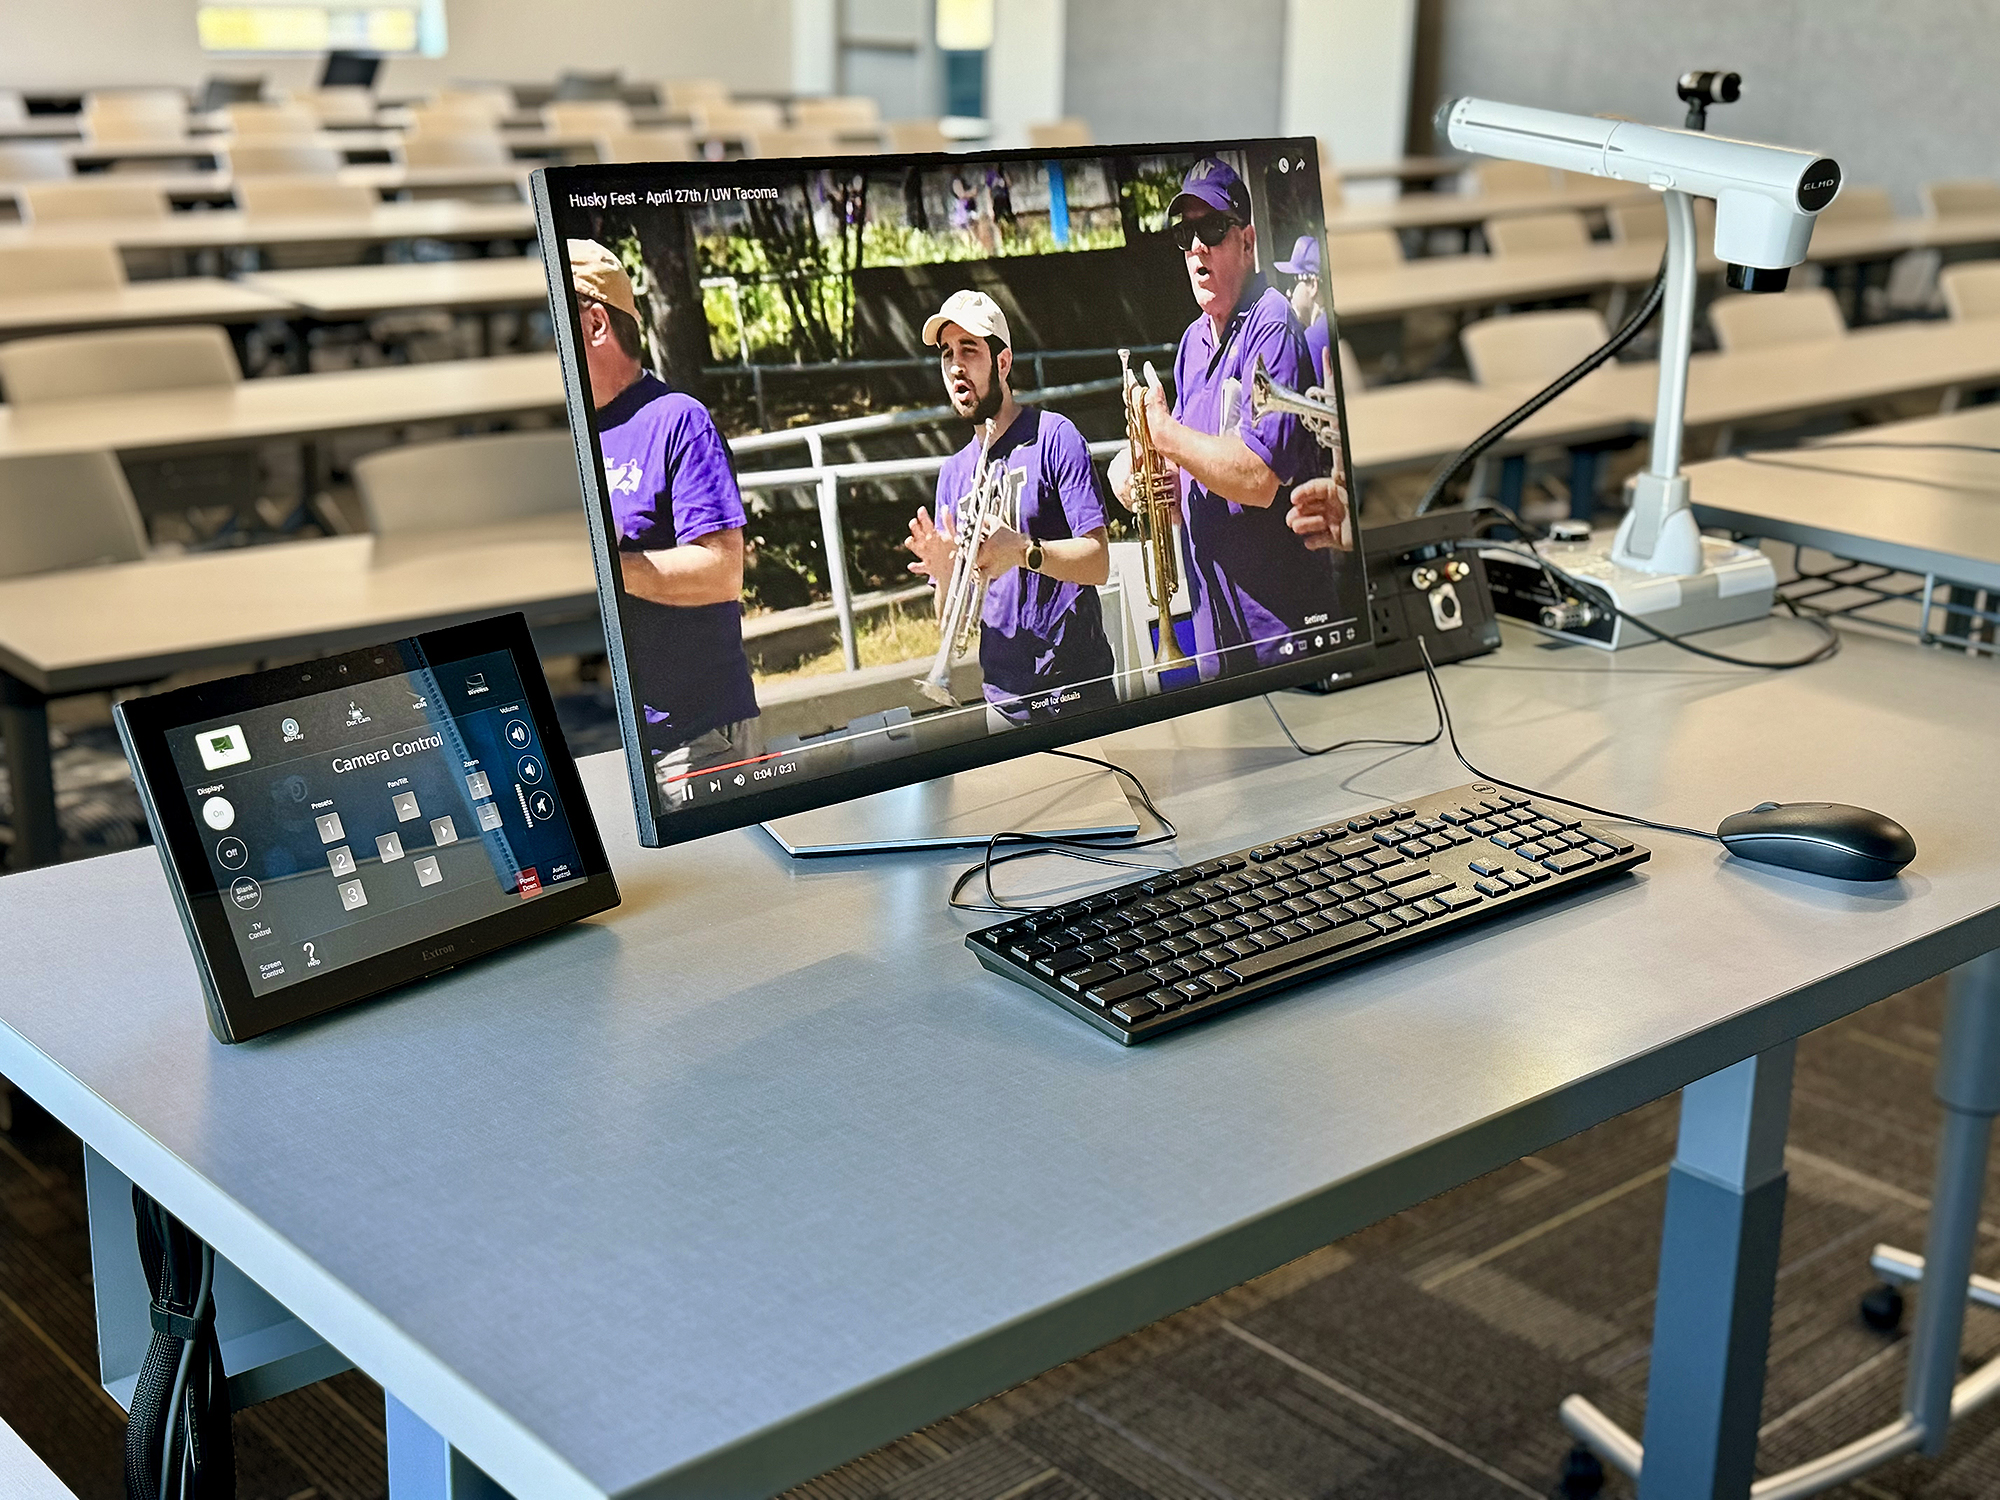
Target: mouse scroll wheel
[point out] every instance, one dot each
(1767, 807)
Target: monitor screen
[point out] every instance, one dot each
(901, 464)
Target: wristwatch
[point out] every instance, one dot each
(1034, 557)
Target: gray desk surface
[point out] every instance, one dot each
(820, 1179)
(1934, 511)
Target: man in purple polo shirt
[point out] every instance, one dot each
(680, 540)
(1042, 649)
(1303, 268)
(1255, 584)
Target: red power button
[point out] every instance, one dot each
(531, 883)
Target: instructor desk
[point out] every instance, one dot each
(823, 1179)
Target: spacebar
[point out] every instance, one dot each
(1303, 951)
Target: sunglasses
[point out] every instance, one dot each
(1210, 229)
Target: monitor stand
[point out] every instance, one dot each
(1033, 794)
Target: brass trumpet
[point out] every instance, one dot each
(1313, 406)
(1155, 490)
(995, 497)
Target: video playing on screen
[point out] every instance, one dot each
(904, 452)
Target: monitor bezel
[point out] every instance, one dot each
(698, 820)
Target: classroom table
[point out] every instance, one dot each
(284, 407)
(86, 629)
(1930, 513)
(384, 177)
(824, 1180)
(1402, 169)
(181, 299)
(227, 229)
(1462, 210)
(340, 292)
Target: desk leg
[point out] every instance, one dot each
(1718, 1275)
(423, 1466)
(24, 723)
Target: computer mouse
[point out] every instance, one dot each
(1826, 838)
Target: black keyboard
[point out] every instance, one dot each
(1184, 945)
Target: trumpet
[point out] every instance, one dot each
(994, 499)
(1313, 406)
(1155, 490)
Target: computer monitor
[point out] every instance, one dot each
(350, 70)
(797, 386)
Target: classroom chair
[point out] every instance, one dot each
(1646, 223)
(70, 366)
(1859, 205)
(462, 482)
(1970, 195)
(277, 197)
(586, 117)
(346, 104)
(749, 117)
(1971, 289)
(685, 93)
(1530, 348)
(838, 114)
(78, 199)
(1799, 316)
(917, 135)
(794, 142)
(647, 145)
(1490, 179)
(269, 156)
(271, 120)
(32, 161)
(82, 267)
(1359, 251)
(66, 510)
(1538, 234)
(472, 148)
(1053, 135)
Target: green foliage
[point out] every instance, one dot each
(1148, 192)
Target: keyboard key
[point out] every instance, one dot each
(1384, 921)
(1112, 991)
(1381, 901)
(1346, 890)
(1148, 932)
(1507, 840)
(1569, 859)
(1027, 950)
(1090, 975)
(1399, 874)
(1459, 898)
(1534, 874)
(1243, 947)
(1409, 916)
(1390, 836)
(1367, 883)
(1172, 925)
(1096, 952)
(1166, 973)
(1291, 932)
(1229, 929)
(1313, 923)
(1133, 1010)
(1415, 849)
(1351, 847)
(1267, 939)
(1256, 921)
(1516, 879)
(1484, 827)
(1492, 886)
(1533, 849)
(1487, 867)
(1317, 946)
(1598, 849)
(1210, 957)
(1430, 906)
(1153, 953)
(1167, 999)
(1179, 946)
(1192, 989)
(1202, 936)
(1218, 980)
(1383, 857)
(1429, 886)
(1405, 812)
(1290, 888)
(1300, 906)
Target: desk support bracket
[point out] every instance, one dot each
(1968, 1086)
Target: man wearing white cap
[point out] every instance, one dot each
(679, 520)
(1042, 649)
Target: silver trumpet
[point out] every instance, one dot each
(1313, 406)
(994, 500)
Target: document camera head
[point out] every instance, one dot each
(1707, 86)
(1766, 197)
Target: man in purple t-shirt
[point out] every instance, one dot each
(1303, 267)
(679, 518)
(1042, 649)
(1255, 526)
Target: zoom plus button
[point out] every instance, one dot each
(231, 854)
(246, 893)
(531, 769)
(543, 806)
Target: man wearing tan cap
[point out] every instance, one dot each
(1042, 649)
(679, 521)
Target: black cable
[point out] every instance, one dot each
(1091, 848)
(1788, 458)
(1641, 316)
(178, 1443)
(1451, 738)
(1430, 739)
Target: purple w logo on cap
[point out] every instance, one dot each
(1214, 184)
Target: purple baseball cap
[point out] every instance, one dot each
(1214, 184)
(1305, 258)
